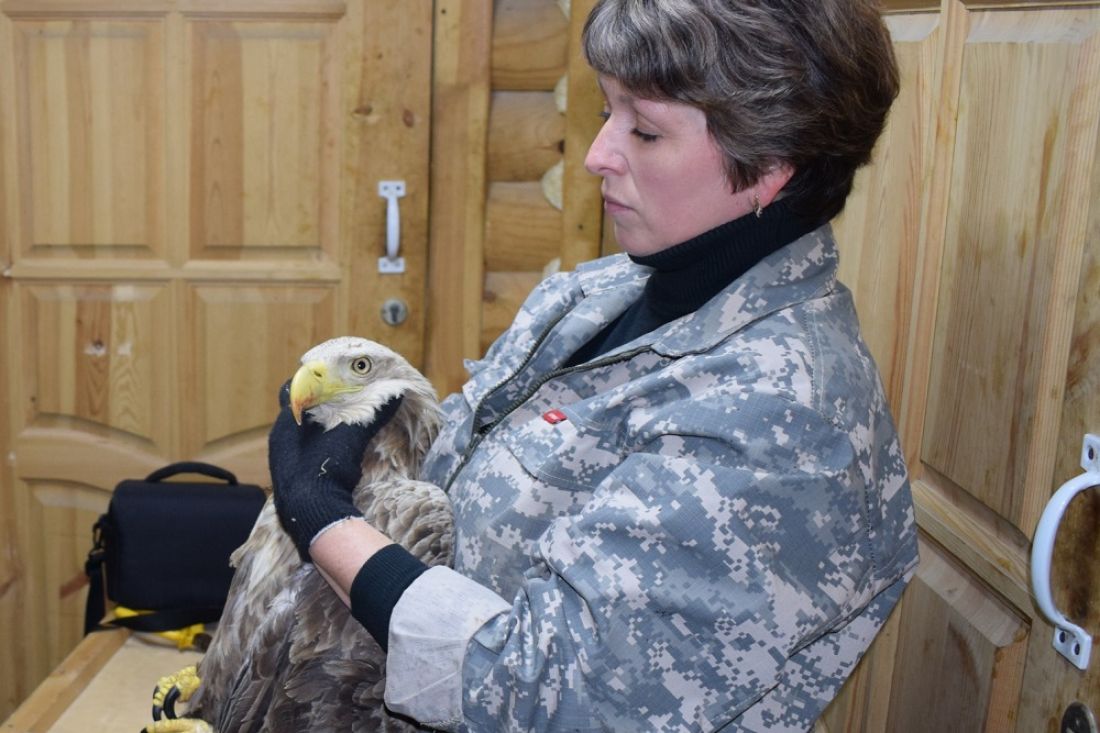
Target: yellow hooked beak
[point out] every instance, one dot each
(311, 386)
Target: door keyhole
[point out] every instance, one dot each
(395, 311)
(1078, 719)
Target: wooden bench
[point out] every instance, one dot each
(106, 683)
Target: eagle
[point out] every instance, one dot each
(287, 655)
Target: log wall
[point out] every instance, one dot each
(520, 168)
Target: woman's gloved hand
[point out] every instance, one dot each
(314, 471)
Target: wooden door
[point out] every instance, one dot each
(973, 247)
(189, 199)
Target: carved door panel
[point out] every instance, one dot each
(972, 247)
(189, 200)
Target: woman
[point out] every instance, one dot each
(679, 498)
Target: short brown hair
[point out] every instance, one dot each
(802, 82)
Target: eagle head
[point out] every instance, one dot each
(347, 379)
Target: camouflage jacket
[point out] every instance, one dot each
(700, 530)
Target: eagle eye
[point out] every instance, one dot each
(361, 365)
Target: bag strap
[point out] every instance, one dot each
(168, 619)
(192, 467)
(96, 604)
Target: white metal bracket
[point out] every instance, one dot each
(1071, 641)
(391, 263)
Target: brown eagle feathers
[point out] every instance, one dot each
(287, 655)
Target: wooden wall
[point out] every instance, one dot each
(971, 246)
(515, 110)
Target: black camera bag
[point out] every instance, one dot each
(164, 547)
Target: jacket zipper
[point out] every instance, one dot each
(483, 432)
(479, 433)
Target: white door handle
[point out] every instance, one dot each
(1071, 641)
(391, 263)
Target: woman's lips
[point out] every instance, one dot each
(613, 206)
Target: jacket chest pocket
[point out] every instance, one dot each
(565, 453)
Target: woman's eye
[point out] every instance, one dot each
(605, 115)
(645, 137)
(361, 365)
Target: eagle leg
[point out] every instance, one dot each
(179, 686)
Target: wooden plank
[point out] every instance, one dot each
(77, 9)
(300, 9)
(526, 135)
(1051, 683)
(582, 212)
(1025, 4)
(65, 514)
(1072, 235)
(11, 588)
(951, 622)
(1076, 575)
(522, 229)
(1011, 269)
(312, 9)
(265, 97)
(179, 115)
(530, 45)
(226, 324)
(388, 106)
(57, 692)
(206, 271)
(905, 6)
(999, 554)
(504, 294)
(90, 160)
(935, 199)
(118, 698)
(79, 364)
(11, 572)
(878, 233)
(460, 122)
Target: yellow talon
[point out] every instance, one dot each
(175, 687)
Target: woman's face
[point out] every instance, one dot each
(664, 179)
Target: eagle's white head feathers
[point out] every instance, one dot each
(347, 379)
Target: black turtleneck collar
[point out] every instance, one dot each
(687, 275)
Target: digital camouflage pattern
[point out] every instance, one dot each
(711, 537)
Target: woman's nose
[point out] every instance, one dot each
(601, 158)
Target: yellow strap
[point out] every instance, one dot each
(183, 638)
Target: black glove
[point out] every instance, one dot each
(314, 471)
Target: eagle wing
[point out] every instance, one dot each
(335, 673)
(287, 654)
(309, 664)
(266, 566)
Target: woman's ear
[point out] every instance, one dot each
(768, 186)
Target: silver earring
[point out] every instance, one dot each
(756, 207)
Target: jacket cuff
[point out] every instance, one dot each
(430, 628)
(378, 586)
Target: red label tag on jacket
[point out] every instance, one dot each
(554, 417)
